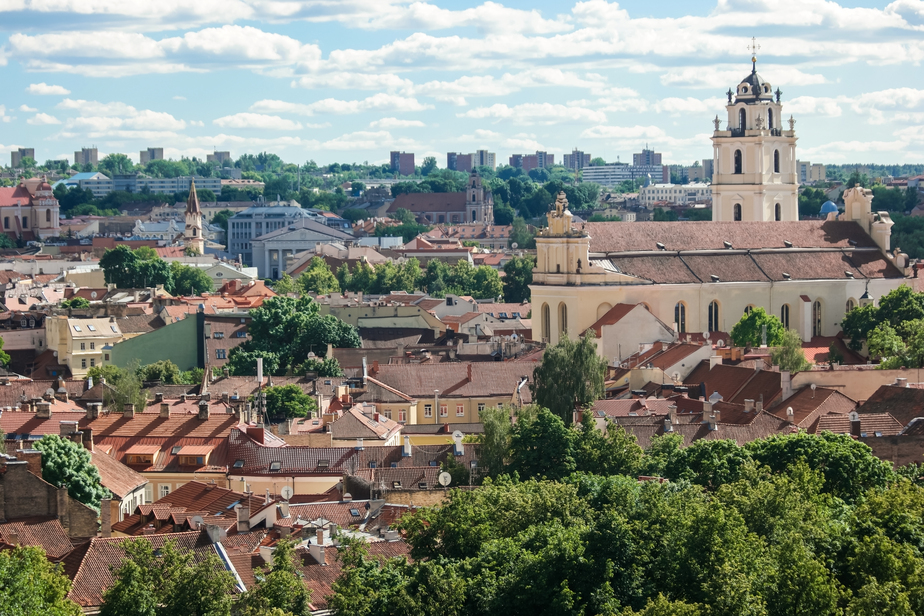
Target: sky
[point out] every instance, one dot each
(350, 80)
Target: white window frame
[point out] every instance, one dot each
(460, 410)
(428, 410)
(444, 410)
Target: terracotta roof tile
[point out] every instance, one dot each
(903, 403)
(48, 534)
(116, 477)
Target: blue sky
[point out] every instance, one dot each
(349, 80)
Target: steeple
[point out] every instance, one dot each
(192, 202)
(192, 234)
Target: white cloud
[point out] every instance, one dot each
(367, 140)
(376, 102)
(688, 106)
(722, 76)
(624, 132)
(813, 105)
(116, 119)
(45, 89)
(535, 113)
(179, 98)
(396, 123)
(42, 119)
(27, 109)
(3, 116)
(482, 136)
(257, 120)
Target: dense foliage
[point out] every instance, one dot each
(749, 331)
(31, 584)
(283, 331)
(518, 275)
(482, 282)
(67, 464)
(893, 328)
(287, 401)
(795, 524)
(137, 269)
(569, 377)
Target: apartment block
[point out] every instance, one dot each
(483, 158)
(646, 157)
(614, 174)
(577, 160)
(402, 163)
(86, 156)
(17, 156)
(457, 161)
(528, 162)
(809, 173)
(708, 167)
(217, 157)
(151, 154)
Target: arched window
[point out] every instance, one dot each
(6, 222)
(713, 315)
(47, 215)
(778, 213)
(473, 195)
(770, 119)
(737, 211)
(194, 232)
(25, 222)
(680, 317)
(784, 315)
(776, 161)
(546, 322)
(742, 119)
(748, 309)
(473, 216)
(563, 319)
(816, 318)
(738, 165)
(851, 304)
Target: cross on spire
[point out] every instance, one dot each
(753, 47)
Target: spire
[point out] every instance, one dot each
(192, 203)
(753, 47)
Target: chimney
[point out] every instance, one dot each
(66, 428)
(457, 448)
(105, 518)
(164, 410)
(407, 447)
(43, 410)
(61, 395)
(319, 536)
(748, 406)
(786, 384)
(715, 360)
(243, 516)
(717, 415)
(215, 532)
(203, 409)
(901, 382)
(268, 498)
(359, 444)
(159, 396)
(470, 378)
(317, 549)
(88, 439)
(790, 415)
(225, 397)
(712, 424)
(266, 553)
(855, 428)
(671, 412)
(12, 537)
(256, 433)
(128, 410)
(93, 409)
(760, 405)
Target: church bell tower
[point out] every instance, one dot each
(754, 174)
(192, 234)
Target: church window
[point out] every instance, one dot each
(738, 165)
(563, 319)
(816, 318)
(737, 211)
(742, 118)
(546, 322)
(778, 214)
(47, 215)
(473, 195)
(776, 161)
(6, 222)
(713, 315)
(748, 309)
(851, 304)
(473, 216)
(680, 317)
(784, 315)
(770, 120)
(194, 232)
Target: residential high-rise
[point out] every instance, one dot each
(86, 156)
(17, 156)
(708, 166)
(528, 162)
(151, 154)
(577, 160)
(218, 157)
(457, 161)
(483, 158)
(646, 157)
(808, 173)
(402, 163)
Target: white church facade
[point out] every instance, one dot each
(702, 276)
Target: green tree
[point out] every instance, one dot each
(164, 371)
(283, 331)
(124, 386)
(789, 355)
(486, 283)
(317, 278)
(612, 453)
(145, 253)
(220, 219)
(167, 582)
(328, 366)
(749, 330)
(6, 241)
(495, 440)
(876, 599)
(520, 235)
(429, 165)
(68, 465)
(518, 275)
(75, 303)
(279, 586)
(570, 376)
(189, 280)
(116, 164)
(541, 446)
(31, 584)
(4, 356)
(286, 286)
(662, 215)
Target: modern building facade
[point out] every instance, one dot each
(809, 173)
(218, 157)
(614, 174)
(483, 158)
(675, 194)
(577, 160)
(16, 156)
(402, 163)
(457, 161)
(150, 154)
(256, 221)
(86, 156)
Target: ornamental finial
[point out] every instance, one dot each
(753, 47)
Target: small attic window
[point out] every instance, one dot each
(77, 328)
(92, 328)
(323, 463)
(396, 484)
(238, 464)
(434, 463)
(114, 330)
(176, 449)
(878, 433)
(373, 464)
(275, 466)
(354, 512)
(422, 485)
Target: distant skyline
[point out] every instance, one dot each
(350, 80)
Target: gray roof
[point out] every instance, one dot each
(309, 225)
(272, 211)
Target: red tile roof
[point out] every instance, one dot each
(116, 477)
(47, 534)
(808, 405)
(488, 379)
(903, 403)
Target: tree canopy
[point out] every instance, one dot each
(749, 330)
(569, 377)
(518, 275)
(31, 584)
(287, 401)
(67, 464)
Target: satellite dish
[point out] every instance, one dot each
(457, 434)
(514, 245)
(445, 479)
(720, 343)
(50, 392)
(287, 492)
(813, 386)
(706, 335)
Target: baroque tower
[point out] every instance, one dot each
(479, 203)
(192, 234)
(754, 175)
